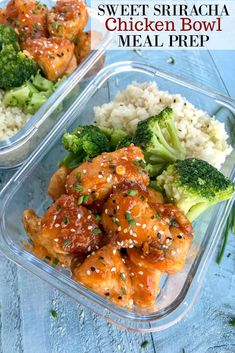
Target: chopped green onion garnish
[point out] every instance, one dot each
(233, 322)
(129, 219)
(80, 199)
(78, 187)
(98, 217)
(85, 198)
(96, 231)
(128, 216)
(66, 220)
(233, 220)
(66, 242)
(55, 261)
(123, 277)
(226, 234)
(78, 175)
(144, 344)
(54, 313)
(173, 223)
(115, 220)
(132, 192)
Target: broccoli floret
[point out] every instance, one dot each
(194, 185)
(17, 97)
(125, 142)
(15, 67)
(42, 84)
(158, 138)
(85, 142)
(115, 135)
(27, 97)
(8, 36)
(35, 102)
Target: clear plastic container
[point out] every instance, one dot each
(28, 189)
(15, 150)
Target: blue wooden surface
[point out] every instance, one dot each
(26, 325)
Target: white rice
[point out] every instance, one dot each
(202, 136)
(12, 119)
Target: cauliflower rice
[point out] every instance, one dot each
(12, 119)
(202, 136)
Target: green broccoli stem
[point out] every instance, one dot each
(175, 139)
(196, 210)
(161, 142)
(72, 160)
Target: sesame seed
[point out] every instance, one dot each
(141, 273)
(138, 224)
(109, 178)
(125, 230)
(113, 269)
(119, 228)
(56, 240)
(56, 225)
(84, 171)
(144, 226)
(89, 217)
(114, 251)
(155, 228)
(97, 270)
(89, 227)
(89, 248)
(88, 272)
(141, 285)
(106, 211)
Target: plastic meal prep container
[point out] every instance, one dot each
(14, 150)
(28, 189)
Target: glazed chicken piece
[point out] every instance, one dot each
(67, 229)
(53, 55)
(83, 48)
(67, 18)
(3, 18)
(56, 186)
(94, 180)
(72, 65)
(145, 284)
(105, 273)
(29, 18)
(129, 218)
(166, 254)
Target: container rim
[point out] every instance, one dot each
(147, 323)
